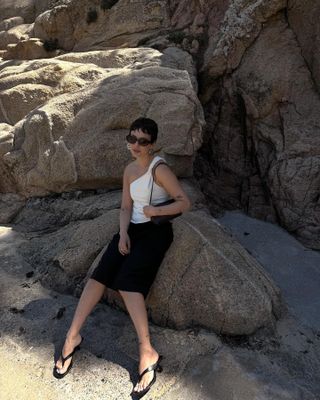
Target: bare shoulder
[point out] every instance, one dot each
(130, 168)
(163, 174)
(163, 170)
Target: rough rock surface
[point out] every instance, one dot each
(28, 49)
(303, 18)
(80, 25)
(68, 141)
(10, 206)
(261, 147)
(9, 23)
(137, 58)
(15, 34)
(230, 292)
(26, 9)
(283, 109)
(14, 8)
(27, 85)
(241, 25)
(6, 144)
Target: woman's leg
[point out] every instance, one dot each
(137, 309)
(90, 296)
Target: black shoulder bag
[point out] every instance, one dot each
(161, 219)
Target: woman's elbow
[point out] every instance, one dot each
(187, 205)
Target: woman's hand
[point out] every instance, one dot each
(124, 244)
(149, 211)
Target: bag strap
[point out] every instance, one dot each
(153, 173)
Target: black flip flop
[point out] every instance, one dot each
(156, 367)
(56, 374)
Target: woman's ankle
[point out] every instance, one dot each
(146, 348)
(72, 335)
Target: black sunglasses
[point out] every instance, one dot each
(141, 141)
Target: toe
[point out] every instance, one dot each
(138, 387)
(59, 370)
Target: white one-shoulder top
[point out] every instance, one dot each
(140, 190)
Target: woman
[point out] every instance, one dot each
(135, 253)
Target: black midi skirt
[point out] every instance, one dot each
(136, 271)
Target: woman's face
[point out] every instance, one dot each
(140, 150)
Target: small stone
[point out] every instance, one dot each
(60, 313)
(15, 310)
(21, 330)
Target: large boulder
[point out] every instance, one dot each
(15, 34)
(208, 279)
(68, 141)
(66, 233)
(28, 85)
(137, 58)
(28, 49)
(26, 9)
(21, 8)
(9, 23)
(81, 24)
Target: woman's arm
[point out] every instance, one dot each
(125, 215)
(167, 179)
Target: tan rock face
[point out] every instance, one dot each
(25, 86)
(70, 140)
(26, 9)
(304, 21)
(6, 138)
(15, 34)
(6, 145)
(241, 24)
(9, 23)
(207, 279)
(83, 245)
(14, 8)
(137, 58)
(80, 25)
(28, 49)
(262, 142)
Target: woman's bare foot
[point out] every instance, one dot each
(148, 357)
(69, 345)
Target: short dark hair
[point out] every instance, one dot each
(146, 125)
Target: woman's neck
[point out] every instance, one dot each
(145, 161)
